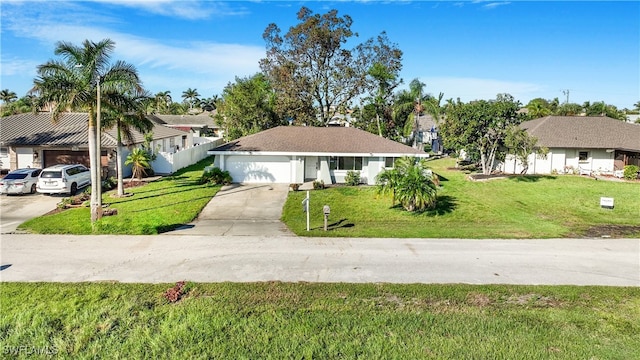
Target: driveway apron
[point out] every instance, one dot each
(242, 209)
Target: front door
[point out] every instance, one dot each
(310, 168)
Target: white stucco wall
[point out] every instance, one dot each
(559, 159)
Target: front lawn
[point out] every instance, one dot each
(320, 321)
(513, 207)
(156, 207)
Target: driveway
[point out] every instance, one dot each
(16, 209)
(242, 209)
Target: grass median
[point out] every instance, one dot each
(325, 321)
(552, 206)
(154, 208)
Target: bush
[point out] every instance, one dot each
(216, 176)
(352, 178)
(294, 187)
(109, 183)
(631, 172)
(318, 185)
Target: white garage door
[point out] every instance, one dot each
(259, 169)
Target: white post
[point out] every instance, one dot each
(308, 209)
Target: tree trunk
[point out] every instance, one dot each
(94, 161)
(120, 167)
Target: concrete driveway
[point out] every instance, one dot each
(16, 209)
(242, 209)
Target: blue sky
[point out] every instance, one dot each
(465, 49)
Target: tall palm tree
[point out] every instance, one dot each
(74, 82)
(411, 183)
(7, 96)
(130, 116)
(190, 96)
(163, 100)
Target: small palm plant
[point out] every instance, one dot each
(139, 161)
(411, 183)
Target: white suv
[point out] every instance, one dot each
(59, 179)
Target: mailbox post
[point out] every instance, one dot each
(305, 208)
(326, 210)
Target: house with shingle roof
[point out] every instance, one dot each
(297, 154)
(33, 140)
(586, 144)
(200, 125)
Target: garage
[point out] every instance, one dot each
(258, 169)
(53, 157)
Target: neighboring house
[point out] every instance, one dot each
(32, 140)
(297, 154)
(428, 138)
(583, 144)
(201, 125)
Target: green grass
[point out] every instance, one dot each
(154, 208)
(514, 207)
(324, 321)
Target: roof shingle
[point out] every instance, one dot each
(31, 129)
(330, 140)
(593, 132)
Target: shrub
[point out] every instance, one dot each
(109, 183)
(631, 172)
(318, 185)
(216, 176)
(295, 187)
(352, 178)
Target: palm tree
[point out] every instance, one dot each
(190, 96)
(411, 183)
(163, 100)
(125, 121)
(7, 96)
(139, 160)
(74, 83)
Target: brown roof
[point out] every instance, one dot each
(184, 120)
(584, 132)
(31, 129)
(330, 140)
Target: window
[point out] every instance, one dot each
(345, 163)
(583, 156)
(4, 151)
(389, 162)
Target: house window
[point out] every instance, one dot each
(345, 163)
(4, 151)
(583, 156)
(389, 162)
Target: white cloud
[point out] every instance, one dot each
(191, 9)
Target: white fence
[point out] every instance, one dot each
(168, 163)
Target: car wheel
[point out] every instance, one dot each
(74, 189)
(33, 188)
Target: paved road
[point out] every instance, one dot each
(171, 257)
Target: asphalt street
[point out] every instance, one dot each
(203, 258)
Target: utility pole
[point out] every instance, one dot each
(566, 92)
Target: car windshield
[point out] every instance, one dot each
(51, 174)
(15, 176)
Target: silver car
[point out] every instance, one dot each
(60, 179)
(21, 181)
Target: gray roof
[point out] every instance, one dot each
(584, 132)
(185, 120)
(31, 129)
(330, 140)
(426, 122)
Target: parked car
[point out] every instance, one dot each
(21, 181)
(60, 179)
